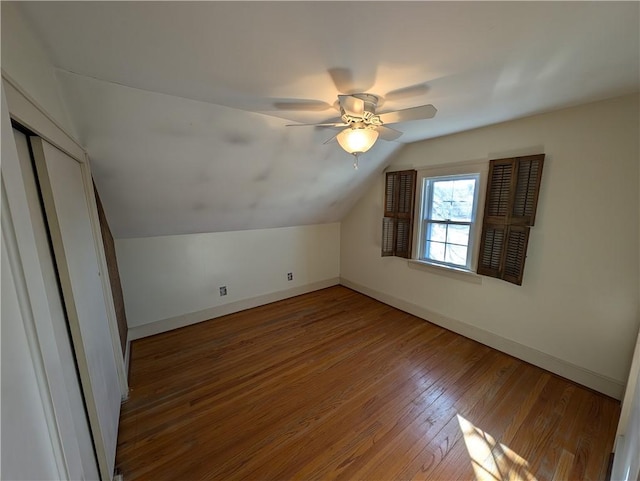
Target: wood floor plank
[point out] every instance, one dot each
(563, 467)
(335, 385)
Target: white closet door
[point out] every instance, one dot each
(65, 194)
(71, 418)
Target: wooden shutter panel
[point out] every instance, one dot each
(397, 224)
(499, 190)
(515, 254)
(406, 193)
(527, 188)
(491, 250)
(503, 251)
(391, 193)
(510, 209)
(403, 238)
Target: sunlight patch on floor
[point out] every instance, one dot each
(491, 460)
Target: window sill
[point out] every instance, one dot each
(454, 273)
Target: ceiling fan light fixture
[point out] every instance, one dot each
(357, 140)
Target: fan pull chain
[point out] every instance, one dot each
(355, 161)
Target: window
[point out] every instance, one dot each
(448, 231)
(448, 218)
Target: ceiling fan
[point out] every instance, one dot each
(362, 126)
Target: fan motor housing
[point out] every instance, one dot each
(370, 102)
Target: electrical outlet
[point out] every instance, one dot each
(223, 291)
(290, 276)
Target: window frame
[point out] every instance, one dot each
(427, 223)
(458, 169)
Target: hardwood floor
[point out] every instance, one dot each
(335, 385)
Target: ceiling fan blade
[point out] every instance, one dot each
(387, 133)
(328, 124)
(351, 105)
(302, 105)
(342, 79)
(414, 113)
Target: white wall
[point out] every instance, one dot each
(26, 61)
(170, 276)
(577, 310)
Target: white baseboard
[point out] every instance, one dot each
(598, 382)
(164, 325)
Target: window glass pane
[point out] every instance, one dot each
(462, 200)
(441, 203)
(456, 255)
(437, 232)
(458, 234)
(435, 251)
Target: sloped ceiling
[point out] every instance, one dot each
(182, 105)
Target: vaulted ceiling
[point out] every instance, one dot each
(182, 106)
